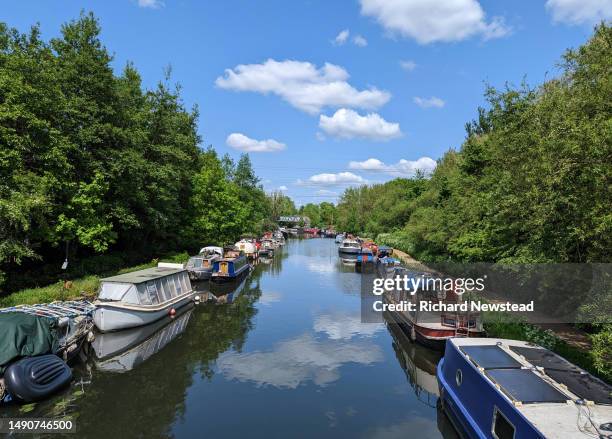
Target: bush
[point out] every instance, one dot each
(602, 351)
(396, 240)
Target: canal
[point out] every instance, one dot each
(281, 354)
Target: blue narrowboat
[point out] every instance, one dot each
(509, 389)
(365, 255)
(233, 264)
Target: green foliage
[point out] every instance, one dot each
(280, 205)
(92, 163)
(219, 216)
(531, 182)
(602, 352)
(378, 208)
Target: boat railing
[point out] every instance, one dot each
(70, 309)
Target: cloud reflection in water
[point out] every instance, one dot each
(296, 361)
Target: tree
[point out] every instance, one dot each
(218, 216)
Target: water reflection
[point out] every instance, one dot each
(298, 360)
(418, 362)
(124, 350)
(343, 326)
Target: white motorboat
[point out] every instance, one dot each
(141, 297)
(339, 238)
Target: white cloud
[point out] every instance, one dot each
(153, 4)
(348, 124)
(341, 37)
(579, 11)
(333, 179)
(298, 360)
(432, 102)
(243, 143)
(430, 21)
(360, 41)
(403, 168)
(302, 85)
(408, 65)
(283, 188)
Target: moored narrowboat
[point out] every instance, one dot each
(248, 247)
(509, 389)
(233, 264)
(200, 267)
(431, 328)
(267, 248)
(141, 297)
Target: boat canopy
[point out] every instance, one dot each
(212, 249)
(145, 287)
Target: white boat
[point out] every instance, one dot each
(141, 297)
(247, 247)
(124, 350)
(349, 249)
(339, 238)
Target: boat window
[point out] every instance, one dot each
(131, 297)
(113, 291)
(179, 285)
(186, 283)
(143, 295)
(502, 427)
(171, 287)
(197, 263)
(152, 292)
(166, 289)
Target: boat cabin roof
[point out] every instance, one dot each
(148, 274)
(547, 389)
(511, 364)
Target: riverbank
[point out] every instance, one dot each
(566, 340)
(80, 288)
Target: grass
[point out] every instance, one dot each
(82, 288)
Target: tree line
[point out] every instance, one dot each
(91, 163)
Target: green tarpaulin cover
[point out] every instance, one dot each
(25, 335)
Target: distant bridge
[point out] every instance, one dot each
(294, 220)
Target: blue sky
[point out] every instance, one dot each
(397, 86)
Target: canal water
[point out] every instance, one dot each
(283, 353)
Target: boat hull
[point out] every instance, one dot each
(109, 317)
(432, 338)
(349, 253)
(230, 277)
